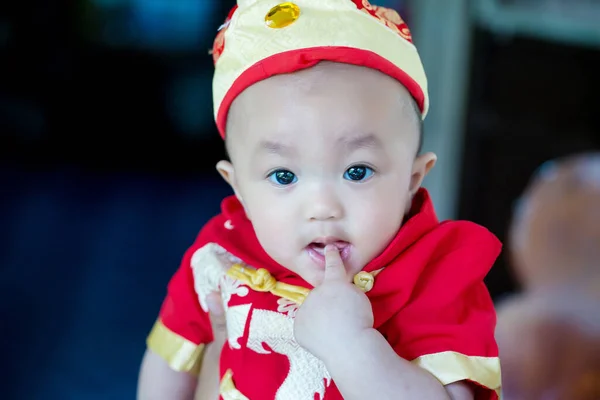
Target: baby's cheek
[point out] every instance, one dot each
(275, 233)
(385, 218)
(374, 232)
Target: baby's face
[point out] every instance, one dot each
(325, 156)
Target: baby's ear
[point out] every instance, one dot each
(227, 172)
(421, 167)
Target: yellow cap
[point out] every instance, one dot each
(262, 38)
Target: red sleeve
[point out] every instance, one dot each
(447, 326)
(183, 327)
(181, 312)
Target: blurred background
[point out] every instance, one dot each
(108, 146)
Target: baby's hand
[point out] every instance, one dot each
(333, 313)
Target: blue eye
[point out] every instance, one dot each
(283, 177)
(358, 173)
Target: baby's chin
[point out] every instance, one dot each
(312, 276)
(308, 271)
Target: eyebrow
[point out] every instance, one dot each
(272, 147)
(352, 143)
(349, 143)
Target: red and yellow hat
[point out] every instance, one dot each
(262, 38)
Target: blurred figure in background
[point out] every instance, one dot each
(549, 336)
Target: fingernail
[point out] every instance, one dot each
(330, 248)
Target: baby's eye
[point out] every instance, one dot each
(358, 173)
(283, 177)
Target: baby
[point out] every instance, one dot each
(549, 336)
(337, 279)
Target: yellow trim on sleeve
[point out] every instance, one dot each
(449, 367)
(227, 388)
(181, 354)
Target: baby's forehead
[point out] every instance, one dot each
(325, 78)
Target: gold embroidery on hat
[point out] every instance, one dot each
(218, 45)
(389, 17)
(282, 15)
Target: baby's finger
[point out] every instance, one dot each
(334, 266)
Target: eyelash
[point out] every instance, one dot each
(273, 176)
(278, 175)
(369, 172)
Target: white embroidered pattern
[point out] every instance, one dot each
(288, 307)
(236, 318)
(308, 375)
(228, 225)
(210, 264)
(230, 287)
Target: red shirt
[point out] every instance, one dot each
(429, 302)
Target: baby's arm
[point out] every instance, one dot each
(157, 381)
(176, 344)
(373, 369)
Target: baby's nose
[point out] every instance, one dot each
(324, 206)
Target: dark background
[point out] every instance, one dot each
(107, 153)
(530, 101)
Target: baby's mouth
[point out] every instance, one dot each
(317, 248)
